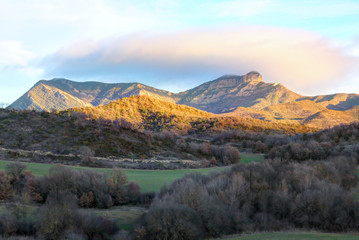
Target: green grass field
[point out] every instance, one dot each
(148, 180)
(124, 216)
(296, 236)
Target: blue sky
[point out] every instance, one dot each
(311, 47)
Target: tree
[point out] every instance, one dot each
(16, 174)
(6, 191)
(172, 222)
(87, 155)
(58, 215)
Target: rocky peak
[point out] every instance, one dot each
(252, 77)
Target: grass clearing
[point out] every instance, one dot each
(251, 157)
(296, 236)
(124, 216)
(148, 180)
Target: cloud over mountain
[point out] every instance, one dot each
(299, 59)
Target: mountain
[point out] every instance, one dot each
(61, 94)
(231, 91)
(221, 95)
(245, 96)
(46, 97)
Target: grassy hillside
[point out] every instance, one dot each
(328, 119)
(294, 110)
(354, 112)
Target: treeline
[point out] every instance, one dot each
(339, 141)
(58, 218)
(57, 197)
(256, 197)
(90, 188)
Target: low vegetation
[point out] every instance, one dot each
(295, 236)
(257, 197)
(342, 140)
(57, 197)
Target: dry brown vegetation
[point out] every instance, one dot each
(146, 112)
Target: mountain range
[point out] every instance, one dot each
(229, 95)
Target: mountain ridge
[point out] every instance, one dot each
(232, 95)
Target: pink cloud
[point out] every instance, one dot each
(299, 59)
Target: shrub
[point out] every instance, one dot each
(172, 222)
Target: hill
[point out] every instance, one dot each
(304, 112)
(294, 110)
(354, 112)
(328, 119)
(145, 112)
(250, 113)
(339, 101)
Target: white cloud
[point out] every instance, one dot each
(301, 60)
(13, 54)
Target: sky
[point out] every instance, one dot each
(310, 46)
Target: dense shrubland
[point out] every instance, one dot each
(58, 218)
(256, 197)
(342, 140)
(90, 188)
(57, 196)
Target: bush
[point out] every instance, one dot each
(58, 215)
(172, 222)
